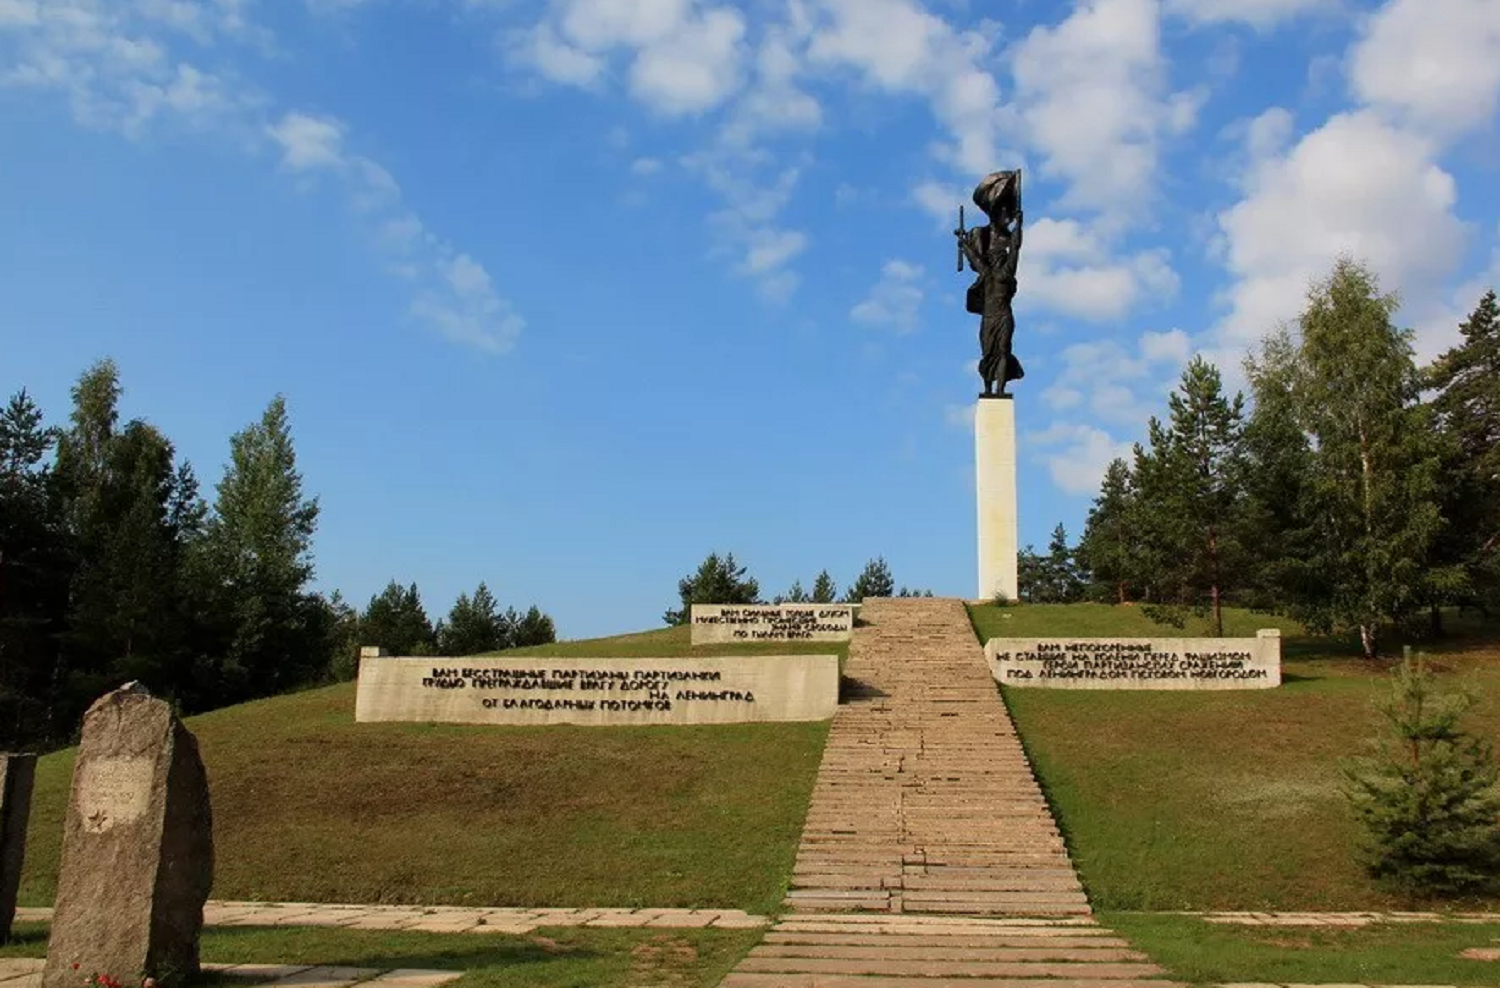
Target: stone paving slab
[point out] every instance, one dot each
(450, 919)
(20, 972)
(1338, 919)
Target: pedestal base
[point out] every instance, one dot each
(995, 492)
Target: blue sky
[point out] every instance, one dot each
(564, 295)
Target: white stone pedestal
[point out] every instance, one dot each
(995, 491)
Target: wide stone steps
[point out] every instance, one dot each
(864, 951)
(929, 857)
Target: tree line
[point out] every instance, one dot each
(1358, 492)
(721, 580)
(114, 567)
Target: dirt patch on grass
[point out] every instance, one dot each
(665, 961)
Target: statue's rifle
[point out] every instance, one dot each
(960, 233)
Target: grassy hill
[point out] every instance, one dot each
(310, 806)
(1226, 800)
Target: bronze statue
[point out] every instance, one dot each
(992, 253)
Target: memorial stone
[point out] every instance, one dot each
(1138, 663)
(721, 623)
(16, 775)
(600, 692)
(137, 854)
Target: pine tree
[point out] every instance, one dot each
(873, 581)
(1372, 474)
(1195, 497)
(473, 626)
(1467, 405)
(395, 621)
(1031, 575)
(34, 571)
(717, 581)
(1108, 549)
(532, 628)
(1279, 461)
(1426, 795)
(824, 590)
(343, 639)
(1064, 584)
(794, 595)
(130, 514)
(260, 539)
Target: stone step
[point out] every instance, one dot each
(934, 968)
(750, 979)
(1048, 952)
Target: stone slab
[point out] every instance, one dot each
(17, 774)
(598, 692)
(1137, 663)
(137, 850)
(721, 623)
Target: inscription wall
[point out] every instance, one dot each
(717, 623)
(598, 692)
(1138, 663)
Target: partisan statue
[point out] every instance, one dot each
(992, 253)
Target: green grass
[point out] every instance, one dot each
(551, 958)
(1108, 621)
(309, 806)
(1384, 954)
(1223, 800)
(673, 642)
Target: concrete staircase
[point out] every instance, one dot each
(929, 857)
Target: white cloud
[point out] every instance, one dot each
(1093, 100)
(645, 166)
(1355, 185)
(1103, 291)
(1257, 13)
(747, 224)
(308, 142)
(455, 295)
(1172, 347)
(940, 200)
(684, 56)
(692, 69)
(770, 249)
(112, 64)
(557, 60)
(895, 300)
(19, 13)
(1085, 452)
(775, 103)
(1433, 64)
(899, 46)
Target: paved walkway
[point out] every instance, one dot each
(1339, 919)
(25, 972)
(449, 919)
(929, 857)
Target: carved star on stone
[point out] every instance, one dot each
(96, 820)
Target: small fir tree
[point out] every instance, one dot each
(873, 581)
(1426, 794)
(718, 580)
(824, 590)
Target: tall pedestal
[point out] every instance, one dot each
(995, 491)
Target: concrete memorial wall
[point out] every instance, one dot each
(598, 692)
(1138, 663)
(717, 623)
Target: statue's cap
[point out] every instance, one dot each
(995, 188)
